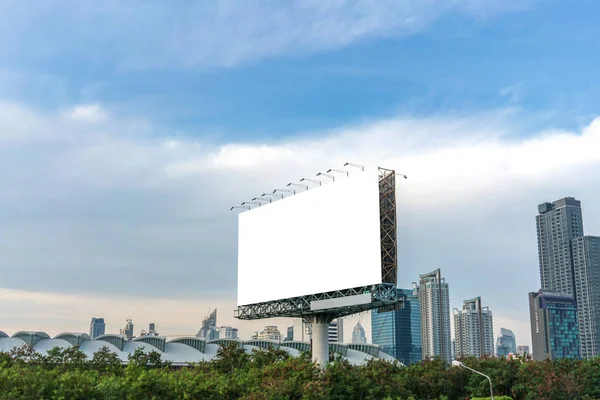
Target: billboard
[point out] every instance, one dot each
(324, 239)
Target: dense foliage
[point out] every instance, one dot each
(273, 374)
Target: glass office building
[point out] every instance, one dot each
(398, 332)
(506, 343)
(554, 326)
(97, 327)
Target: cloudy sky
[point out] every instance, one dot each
(127, 129)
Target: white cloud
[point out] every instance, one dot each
(118, 199)
(215, 33)
(91, 113)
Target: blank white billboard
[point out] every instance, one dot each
(323, 239)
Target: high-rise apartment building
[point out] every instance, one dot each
(336, 330)
(358, 334)
(398, 332)
(434, 300)
(97, 327)
(558, 223)
(554, 327)
(473, 330)
(506, 343)
(586, 267)
(127, 331)
(228, 332)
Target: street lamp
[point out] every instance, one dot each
(272, 194)
(310, 180)
(252, 202)
(340, 171)
(362, 167)
(327, 175)
(297, 184)
(457, 363)
(244, 207)
(292, 191)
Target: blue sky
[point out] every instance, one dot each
(127, 126)
(537, 56)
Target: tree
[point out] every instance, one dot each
(105, 361)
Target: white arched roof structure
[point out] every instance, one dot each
(179, 351)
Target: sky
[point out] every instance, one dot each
(128, 129)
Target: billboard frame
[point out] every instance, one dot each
(383, 293)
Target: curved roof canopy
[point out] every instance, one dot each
(76, 339)
(116, 340)
(192, 341)
(31, 338)
(156, 341)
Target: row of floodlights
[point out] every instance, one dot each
(278, 193)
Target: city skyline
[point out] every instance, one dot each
(118, 174)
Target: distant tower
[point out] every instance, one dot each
(290, 334)
(554, 326)
(473, 330)
(97, 327)
(506, 343)
(558, 223)
(336, 331)
(358, 334)
(435, 315)
(152, 329)
(208, 330)
(586, 263)
(128, 330)
(398, 332)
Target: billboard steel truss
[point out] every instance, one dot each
(299, 307)
(387, 219)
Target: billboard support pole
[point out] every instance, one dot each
(320, 337)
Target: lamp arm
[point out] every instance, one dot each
(488, 378)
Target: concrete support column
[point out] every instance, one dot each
(320, 337)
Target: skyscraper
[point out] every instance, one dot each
(358, 334)
(290, 334)
(336, 330)
(398, 332)
(208, 330)
(435, 315)
(506, 343)
(586, 265)
(554, 327)
(128, 330)
(473, 330)
(558, 223)
(97, 327)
